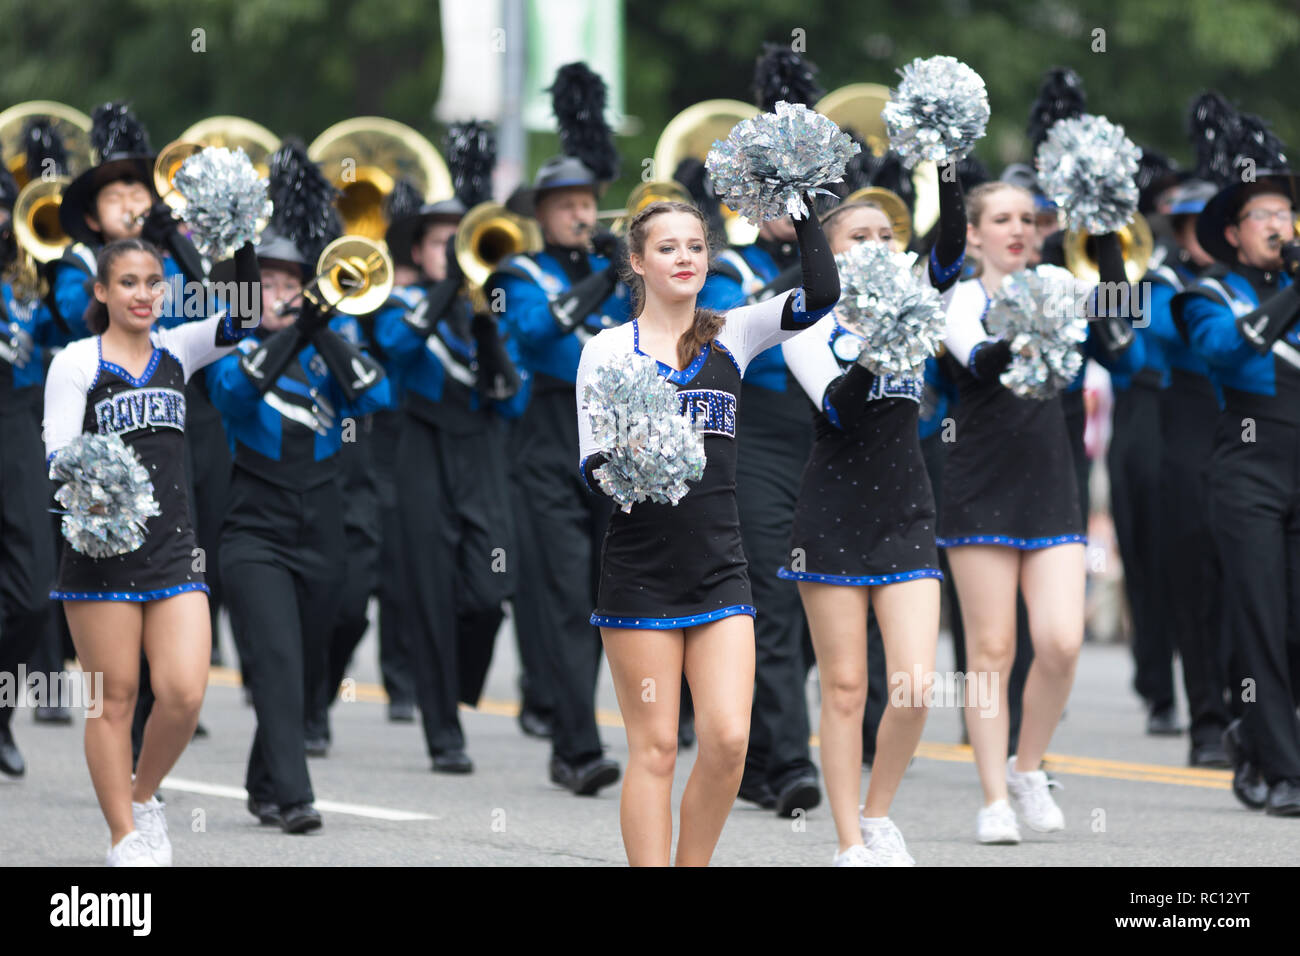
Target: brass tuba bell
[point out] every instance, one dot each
(354, 275)
(488, 235)
(692, 133)
(667, 190)
(858, 106)
(900, 220)
(72, 126)
(235, 132)
(36, 219)
(1135, 242)
(165, 167)
(364, 156)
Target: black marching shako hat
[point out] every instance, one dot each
(471, 158)
(1239, 153)
(589, 158)
(121, 144)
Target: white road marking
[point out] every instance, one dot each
(329, 806)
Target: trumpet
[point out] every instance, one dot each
(488, 235)
(648, 192)
(165, 168)
(37, 233)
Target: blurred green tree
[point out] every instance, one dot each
(299, 65)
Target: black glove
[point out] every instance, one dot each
(951, 243)
(439, 297)
(353, 370)
(821, 277)
(570, 307)
(498, 379)
(1114, 332)
(1272, 319)
(158, 224)
(847, 395)
(266, 363)
(1291, 258)
(453, 264)
(311, 317)
(991, 360)
(605, 243)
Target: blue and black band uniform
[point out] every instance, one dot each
(456, 542)
(557, 520)
(1187, 558)
(283, 541)
(1254, 502)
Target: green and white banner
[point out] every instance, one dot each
(564, 31)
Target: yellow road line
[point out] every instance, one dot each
(958, 753)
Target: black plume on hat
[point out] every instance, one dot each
(41, 142)
(1060, 96)
(1156, 173)
(782, 74)
(404, 200)
(1211, 125)
(1255, 141)
(471, 157)
(303, 199)
(578, 98)
(8, 187)
(115, 131)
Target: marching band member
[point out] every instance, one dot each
(452, 476)
(555, 300)
(285, 397)
(1242, 322)
(1189, 408)
(857, 549)
(674, 594)
(26, 552)
(128, 379)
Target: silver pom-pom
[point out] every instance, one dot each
(766, 165)
(1041, 313)
(107, 492)
(939, 111)
(883, 301)
(1086, 166)
(226, 202)
(637, 421)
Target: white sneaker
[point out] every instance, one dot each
(855, 855)
(132, 850)
(883, 840)
(996, 823)
(151, 823)
(1031, 795)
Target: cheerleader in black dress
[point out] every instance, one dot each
(674, 593)
(1011, 518)
(864, 535)
(129, 379)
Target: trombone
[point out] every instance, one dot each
(354, 275)
(666, 190)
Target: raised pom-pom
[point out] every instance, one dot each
(939, 111)
(226, 202)
(1087, 166)
(767, 165)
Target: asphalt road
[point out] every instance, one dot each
(1129, 799)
